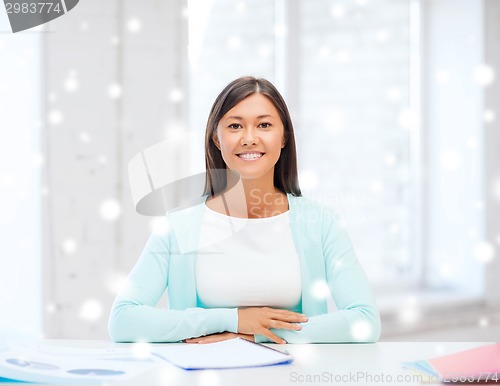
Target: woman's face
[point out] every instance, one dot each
(250, 137)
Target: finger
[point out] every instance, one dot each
(211, 339)
(288, 316)
(192, 340)
(273, 337)
(285, 326)
(196, 339)
(289, 322)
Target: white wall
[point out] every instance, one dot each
(110, 69)
(20, 194)
(491, 156)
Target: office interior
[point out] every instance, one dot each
(395, 105)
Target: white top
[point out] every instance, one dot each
(247, 262)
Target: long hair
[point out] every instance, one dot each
(285, 170)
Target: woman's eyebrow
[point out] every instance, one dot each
(259, 117)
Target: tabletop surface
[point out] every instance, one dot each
(314, 364)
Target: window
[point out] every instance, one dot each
(354, 89)
(358, 77)
(344, 70)
(227, 40)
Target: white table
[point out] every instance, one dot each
(314, 364)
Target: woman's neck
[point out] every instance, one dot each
(250, 198)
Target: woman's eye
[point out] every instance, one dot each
(265, 125)
(234, 126)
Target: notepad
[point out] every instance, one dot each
(232, 353)
(473, 365)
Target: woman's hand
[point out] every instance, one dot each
(219, 337)
(258, 320)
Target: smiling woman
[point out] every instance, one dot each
(244, 137)
(255, 259)
(247, 131)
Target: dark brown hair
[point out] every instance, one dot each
(285, 170)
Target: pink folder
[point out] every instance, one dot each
(481, 363)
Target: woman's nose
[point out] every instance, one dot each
(248, 137)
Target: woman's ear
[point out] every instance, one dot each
(283, 142)
(215, 139)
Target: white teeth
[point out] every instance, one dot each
(250, 155)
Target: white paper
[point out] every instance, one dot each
(232, 353)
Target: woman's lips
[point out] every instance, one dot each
(250, 156)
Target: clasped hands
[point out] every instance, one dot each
(257, 320)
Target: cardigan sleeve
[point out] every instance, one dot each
(134, 316)
(356, 318)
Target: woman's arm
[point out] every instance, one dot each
(355, 323)
(134, 316)
(356, 318)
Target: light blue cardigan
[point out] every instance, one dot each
(168, 261)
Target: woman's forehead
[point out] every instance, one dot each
(254, 106)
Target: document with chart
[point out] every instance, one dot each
(41, 363)
(45, 363)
